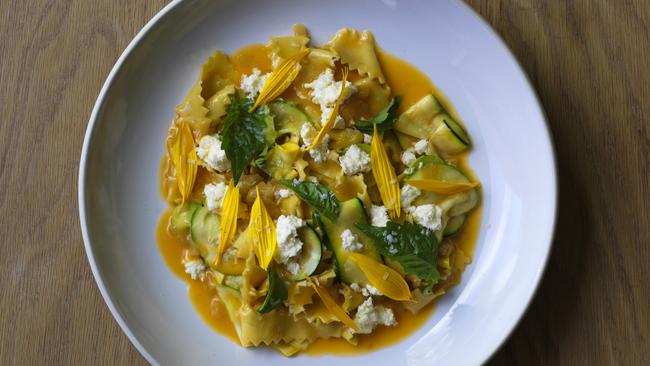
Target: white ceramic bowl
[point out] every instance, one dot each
(119, 202)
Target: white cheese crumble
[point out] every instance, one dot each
(214, 194)
(320, 152)
(378, 216)
(293, 267)
(367, 291)
(369, 316)
(350, 242)
(408, 157)
(367, 138)
(195, 268)
(421, 147)
(324, 92)
(282, 194)
(355, 161)
(408, 195)
(210, 151)
(429, 216)
(289, 244)
(252, 84)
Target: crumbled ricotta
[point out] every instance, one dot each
(324, 92)
(214, 195)
(320, 152)
(195, 268)
(378, 216)
(252, 84)
(408, 195)
(307, 133)
(289, 244)
(350, 242)
(367, 138)
(355, 161)
(421, 147)
(293, 267)
(369, 316)
(282, 194)
(210, 151)
(429, 216)
(408, 157)
(366, 291)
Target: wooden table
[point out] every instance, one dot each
(588, 61)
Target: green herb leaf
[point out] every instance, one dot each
(276, 294)
(317, 196)
(384, 119)
(260, 160)
(243, 133)
(413, 246)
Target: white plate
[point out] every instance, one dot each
(119, 202)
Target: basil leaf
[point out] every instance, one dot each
(317, 196)
(260, 160)
(385, 120)
(413, 246)
(276, 294)
(243, 133)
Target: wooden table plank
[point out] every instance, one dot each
(587, 59)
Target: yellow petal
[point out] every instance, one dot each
(332, 306)
(262, 231)
(229, 213)
(439, 186)
(327, 127)
(280, 79)
(385, 177)
(388, 281)
(184, 158)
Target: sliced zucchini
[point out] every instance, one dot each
(453, 205)
(454, 225)
(269, 132)
(352, 212)
(181, 217)
(405, 141)
(420, 162)
(340, 140)
(418, 120)
(310, 255)
(279, 161)
(449, 137)
(364, 147)
(288, 119)
(204, 231)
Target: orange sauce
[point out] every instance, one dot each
(201, 295)
(405, 80)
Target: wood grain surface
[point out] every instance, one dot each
(588, 60)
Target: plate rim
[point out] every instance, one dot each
(91, 127)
